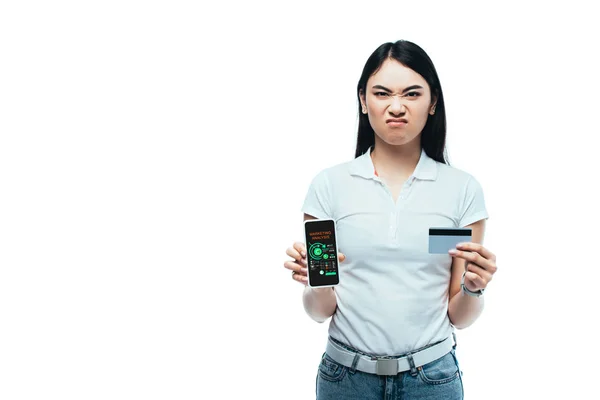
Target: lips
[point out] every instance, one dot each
(396, 120)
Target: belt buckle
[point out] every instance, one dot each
(387, 366)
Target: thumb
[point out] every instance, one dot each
(341, 257)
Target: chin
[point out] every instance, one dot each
(398, 140)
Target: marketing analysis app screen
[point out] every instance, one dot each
(321, 253)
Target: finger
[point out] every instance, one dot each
(300, 278)
(475, 279)
(341, 257)
(477, 270)
(474, 258)
(477, 247)
(292, 266)
(295, 254)
(300, 248)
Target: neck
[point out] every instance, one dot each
(396, 161)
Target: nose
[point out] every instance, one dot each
(396, 106)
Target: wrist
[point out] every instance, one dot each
(321, 290)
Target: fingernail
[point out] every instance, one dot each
(452, 251)
(303, 254)
(304, 278)
(460, 244)
(303, 270)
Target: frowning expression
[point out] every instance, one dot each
(398, 102)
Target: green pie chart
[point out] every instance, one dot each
(316, 251)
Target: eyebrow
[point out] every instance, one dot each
(404, 91)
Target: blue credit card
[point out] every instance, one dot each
(443, 239)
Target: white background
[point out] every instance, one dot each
(154, 157)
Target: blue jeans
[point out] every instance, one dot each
(440, 379)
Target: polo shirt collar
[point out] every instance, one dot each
(363, 166)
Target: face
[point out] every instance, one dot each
(398, 103)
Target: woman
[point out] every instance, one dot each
(396, 306)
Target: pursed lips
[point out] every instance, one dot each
(396, 121)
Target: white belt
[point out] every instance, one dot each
(388, 366)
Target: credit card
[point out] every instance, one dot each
(443, 239)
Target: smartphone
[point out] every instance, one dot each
(321, 253)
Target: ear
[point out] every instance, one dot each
(363, 101)
(433, 104)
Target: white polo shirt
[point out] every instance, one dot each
(393, 295)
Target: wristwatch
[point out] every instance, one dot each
(467, 291)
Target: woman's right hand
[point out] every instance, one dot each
(298, 263)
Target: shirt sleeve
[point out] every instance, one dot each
(318, 199)
(473, 208)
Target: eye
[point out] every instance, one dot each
(410, 94)
(381, 93)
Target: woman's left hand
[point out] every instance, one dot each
(480, 264)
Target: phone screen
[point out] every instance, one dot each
(321, 253)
